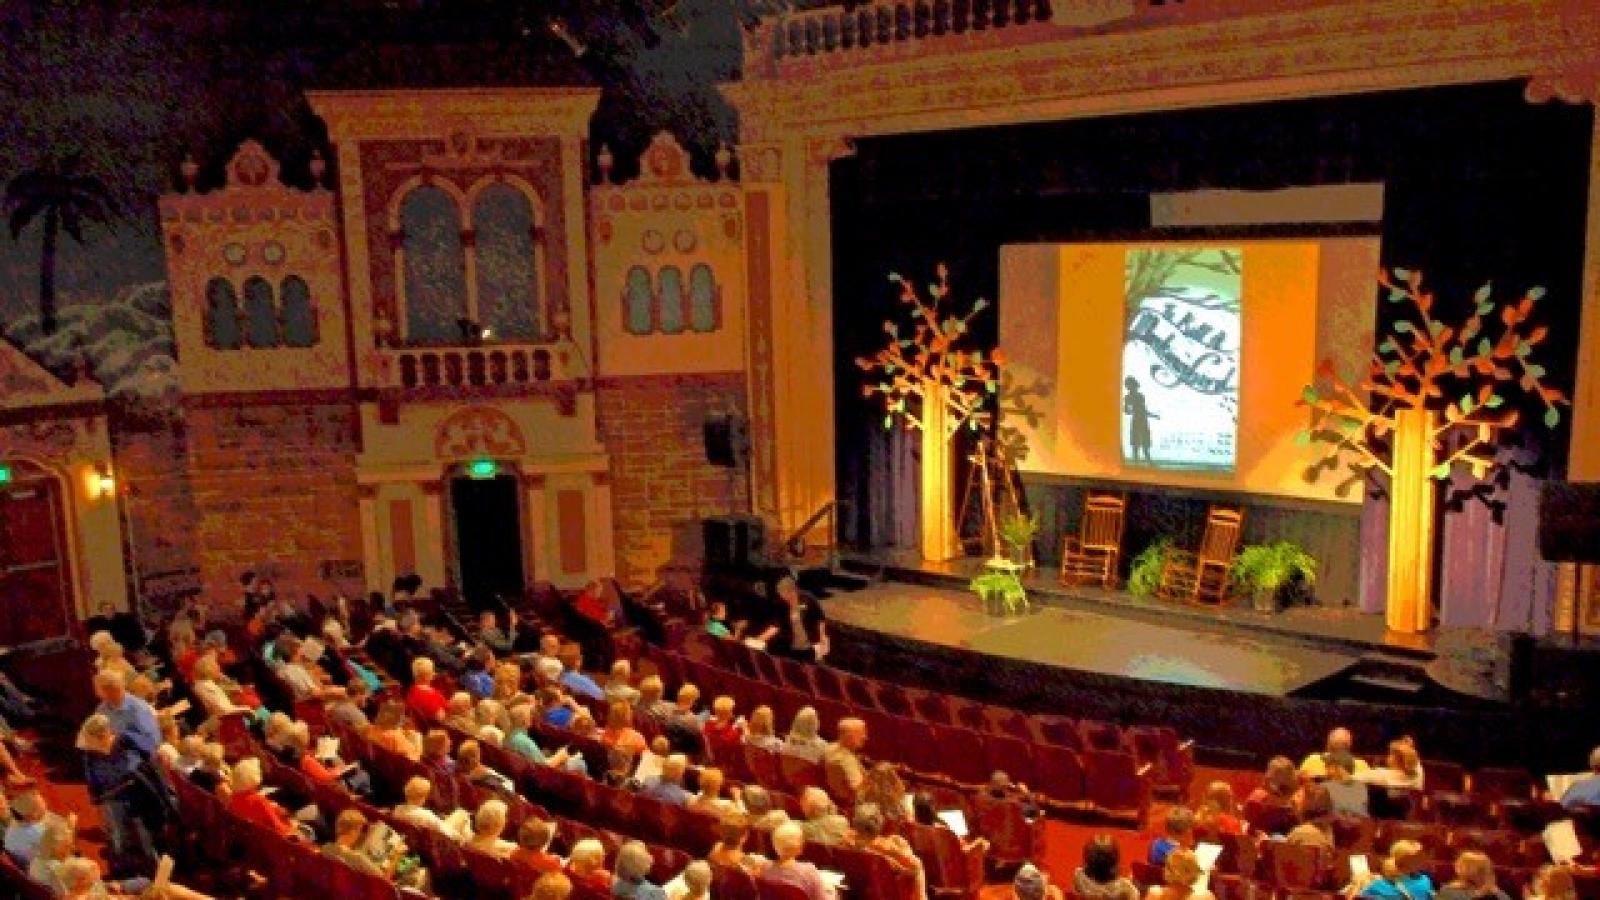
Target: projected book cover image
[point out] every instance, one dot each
(1180, 357)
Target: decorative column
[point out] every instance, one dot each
(938, 505)
(536, 528)
(1412, 493)
(377, 566)
(431, 563)
(602, 542)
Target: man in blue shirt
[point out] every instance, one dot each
(118, 765)
(573, 677)
(1179, 836)
(1587, 791)
(668, 788)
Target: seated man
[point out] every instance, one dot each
(1337, 753)
(492, 635)
(573, 677)
(1587, 791)
(823, 825)
(30, 816)
(841, 762)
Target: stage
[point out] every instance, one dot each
(1306, 651)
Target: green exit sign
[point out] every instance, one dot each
(483, 468)
(5, 473)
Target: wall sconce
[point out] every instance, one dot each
(104, 484)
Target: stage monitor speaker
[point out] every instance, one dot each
(734, 540)
(1569, 522)
(722, 438)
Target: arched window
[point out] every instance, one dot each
(671, 298)
(508, 289)
(703, 300)
(637, 315)
(299, 316)
(222, 315)
(260, 313)
(435, 276)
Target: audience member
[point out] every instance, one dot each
(633, 874)
(868, 834)
(248, 803)
(823, 824)
(804, 740)
(573, 677)
(1474, 879)
(1179, 835)
(724, 734)
(555, 886)
(619, 684)
(1404, 875)
(696, 882)
(759, 807)
(882, 786)
(422, 698)
(1219, 813)
(843, 772)
(788, 842)
(710, 799)
(1585, 791)
(759, 731)
(1315, 808)
(798, 627)
(668, 788)
(533, 854)
(586, 865)
(392, 732)
(619, 731)
(1100, 878)
(1553, 883)
(1031, 883)
(1180, 874)
(488, 824)
(1336, 753)
(733, 831)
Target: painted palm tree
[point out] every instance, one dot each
(61, 199)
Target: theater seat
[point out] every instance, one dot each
(733, 883)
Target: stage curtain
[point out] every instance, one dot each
(1491, 574)
(884, 477)
(1374, 547)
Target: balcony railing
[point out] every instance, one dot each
(492, 365)
(881, 24)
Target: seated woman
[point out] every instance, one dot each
(710, 799)
(923, 812)
(1553, 883)
(1474, 880)
(583, 726)
(423, 699)
(1404, 875)
(733, 831)
(1401, 771)
(1180, 873)
(1219, 812)
(508, 685)
(868, 835)
(391, 731)
(804, 740)
(488, 824)
(533, 854)
(883, 787)
(619, 731)
(693, 883)
(348, 831)
(489, 713)
(248, 803)
(788, 842)
(212, 774)
(586, 865)
(759, 731)
(521, 742)
(555, 886)
(758, 805)
(1100, 878)
(218, 695)
(469, 765)
(58, 845)
(633, 874)
(724, 733)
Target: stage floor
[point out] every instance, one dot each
(1106, 643)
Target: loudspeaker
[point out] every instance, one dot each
(722, 439)
(1569, 522)
(734, 540)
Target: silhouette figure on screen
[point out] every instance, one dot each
(1138, 420)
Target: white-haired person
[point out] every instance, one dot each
(124, 785)
(693, 883)
(788, 842)
(1180, 874)
(633, 874)
(586, 866)
(841, 761)
(423, 700)
(823, 824)
(868, 834)
(248, 802)
(79, 878)
(804, 739)
(488, 824)
(458, 713)
(619, 683)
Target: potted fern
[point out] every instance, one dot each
(1144, 573)
(1017, 532)
(1265, 571)
(1001, 592)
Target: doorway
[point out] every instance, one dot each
(488, 538)
(36, 596)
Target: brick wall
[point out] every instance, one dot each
(275, 492)
(151, 462)
(661, 484)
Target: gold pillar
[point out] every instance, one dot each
(938, 515)
(1411, 515)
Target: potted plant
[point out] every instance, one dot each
(1144, 574)
(1000, 592)
(1265, 570)
(1017, 531)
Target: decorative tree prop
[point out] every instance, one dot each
(1434, 397)
(930, 382)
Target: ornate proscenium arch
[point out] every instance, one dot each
(478, 431)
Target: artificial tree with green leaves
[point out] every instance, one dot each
(1434, 397)
(933, 381)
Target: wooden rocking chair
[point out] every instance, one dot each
(1091, 555)
(1202, 577)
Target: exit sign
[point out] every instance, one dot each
(5, 473)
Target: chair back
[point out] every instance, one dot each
(1221, 536)
(1103, 518)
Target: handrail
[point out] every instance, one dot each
(796, 544)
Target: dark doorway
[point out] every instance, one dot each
(488, 534)
(35, 576)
